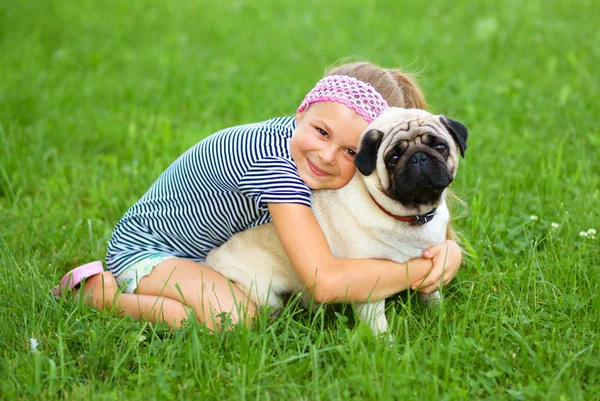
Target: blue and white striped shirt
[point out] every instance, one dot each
(217, 188)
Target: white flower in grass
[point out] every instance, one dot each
(591, 231)
(555, 226)
(583, 234)
(533, 217)
(33, 344)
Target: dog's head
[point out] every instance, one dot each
(408, 157)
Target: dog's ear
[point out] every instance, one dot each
(366, 159)
(458, 131)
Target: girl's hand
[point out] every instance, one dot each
(446, 259)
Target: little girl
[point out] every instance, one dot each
(248, 175)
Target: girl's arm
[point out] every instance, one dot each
(331, 279)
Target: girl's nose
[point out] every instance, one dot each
(327, 155)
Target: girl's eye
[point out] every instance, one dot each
(322, 132)
(440, 147)
(351, 152)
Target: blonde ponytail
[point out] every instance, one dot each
(398, 88)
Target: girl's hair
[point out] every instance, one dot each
(399, 89)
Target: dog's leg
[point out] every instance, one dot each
(429, 299)
(374, 314)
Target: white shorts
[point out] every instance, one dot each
(129, 279)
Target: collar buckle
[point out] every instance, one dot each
(419, 220)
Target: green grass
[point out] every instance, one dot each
(97, 98)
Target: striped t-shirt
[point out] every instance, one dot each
(219, 187)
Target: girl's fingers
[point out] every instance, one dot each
(438, 274)
(435, 249)
(427, 286)
(415, 285)
(427, 282)
(430, 289)
(432, 281)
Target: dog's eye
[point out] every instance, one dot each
(440, 147)
(393, 159)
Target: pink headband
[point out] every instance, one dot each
(359, 96)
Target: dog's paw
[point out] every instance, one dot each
(388, 339)
(432, 299)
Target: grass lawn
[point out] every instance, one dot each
(97, 98)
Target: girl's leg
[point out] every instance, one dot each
(200, 288)
(101, 292)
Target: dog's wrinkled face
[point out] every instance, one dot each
(410, 156)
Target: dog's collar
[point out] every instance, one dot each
(416, 220)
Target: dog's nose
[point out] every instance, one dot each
(419, 158)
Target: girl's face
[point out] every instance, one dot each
(324, 144)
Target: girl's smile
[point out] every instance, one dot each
(318, 172)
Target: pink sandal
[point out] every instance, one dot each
(73, 278)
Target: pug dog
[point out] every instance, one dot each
(393, 208)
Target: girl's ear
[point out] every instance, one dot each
(366, 158)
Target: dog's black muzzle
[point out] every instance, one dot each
(421, 180)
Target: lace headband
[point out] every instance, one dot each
(359, 96)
